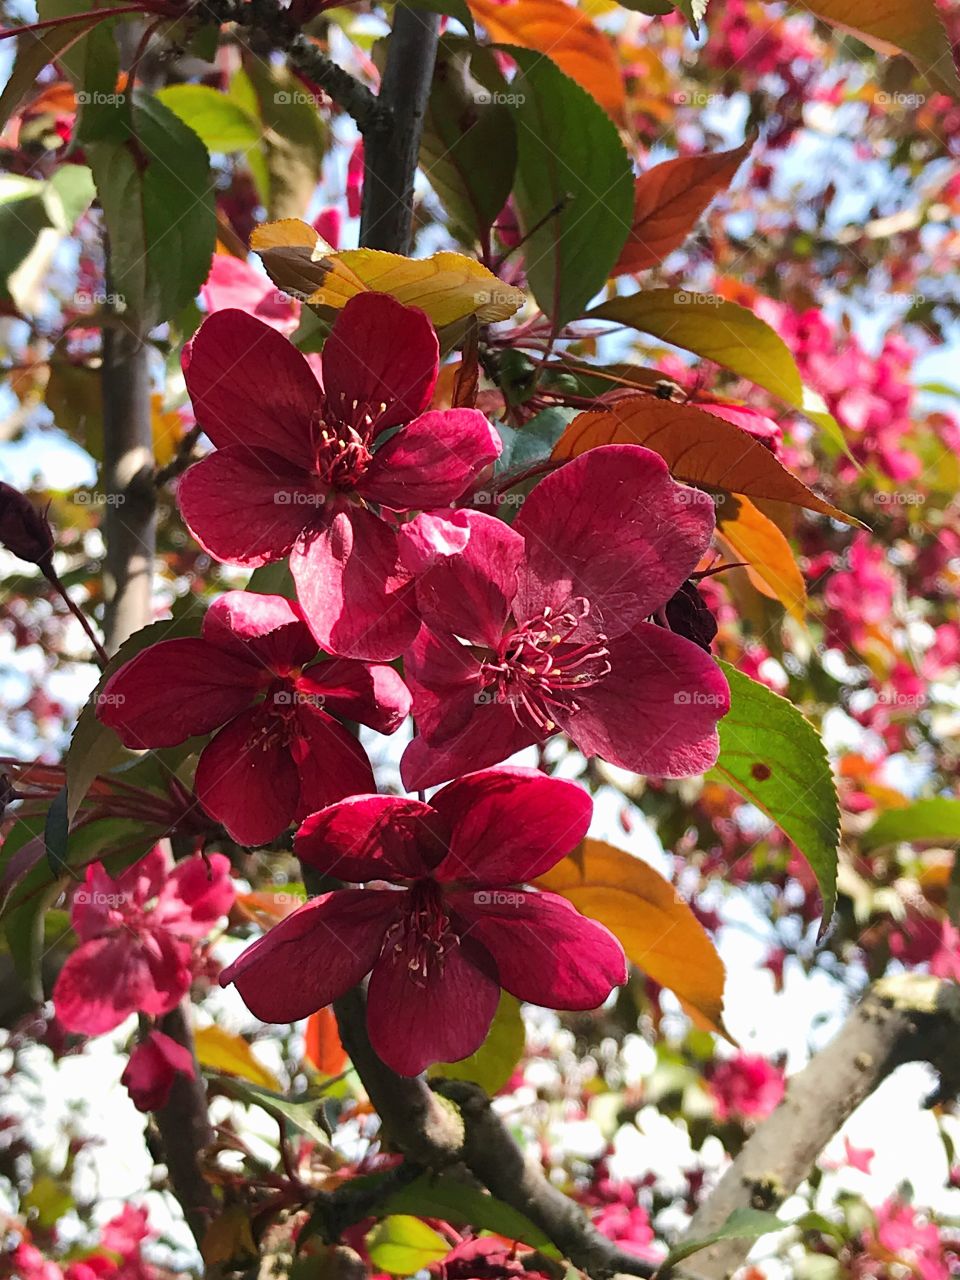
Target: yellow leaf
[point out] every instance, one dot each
(228, 1237)
(914, 26)
(222, 1051)
(403, 1245)
(656, 928)
(567, 36)
(771, 566)
(447, 286)
(167, 428)
(698, 447)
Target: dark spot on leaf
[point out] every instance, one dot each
(760, 771)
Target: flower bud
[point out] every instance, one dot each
(687, 615)
(24, 530)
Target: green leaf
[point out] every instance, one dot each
(574, 186)
(743, 1224)
(302, 1112)
(722, 331)
(936, 819)
(94, 747)
(294, 137)
(35, 49)
(402, 1245)
(68, 195)
(774, 757)
(156, 191)
(469, 149)
(23, 215)
(463, 1205)
(216, 118)
(56, 832)
(534, 441)
(491, 1066)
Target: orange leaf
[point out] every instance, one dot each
(771, 566)
(565, 34)
(323, 1049)
(698, 447)
(668, 200)
(656, 928)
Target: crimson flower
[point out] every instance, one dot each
(153, 1066)
(315, 471)
(280, 751)
(542, 627)
(136, 938)
(451, 931)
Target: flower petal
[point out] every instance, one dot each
(173, 690)
(366, 838)
(470, 594)
(615, 527)
(247, 780)
(371, 693)
(108, 978)
(329, 759)
(490, 735)
(356, 597)
(432, 461)
(379, 353)
(431, 536)
(509, 825)
(444, 1017)
(251, 387)
(313, 956)
(546, 952)
(197, 893)
(245, 506)
(263, 628)
(657, 710)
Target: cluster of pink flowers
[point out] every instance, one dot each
(745, 1087)
(565, 621)
(116, 1255)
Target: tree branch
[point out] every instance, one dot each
(129, 526)
(185, 1129)
(494, 1157)
(909, 1018)
(391, 155)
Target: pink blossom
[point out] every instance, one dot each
(234, 283)
(319, 480)
(154, 1065)
(543, 626)
(281, 750)
(137, 934)
(453, 928)
(745, 1087)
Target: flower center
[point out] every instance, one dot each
(422, 937)
(340, 454)
(540, 666)
(275, 720)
